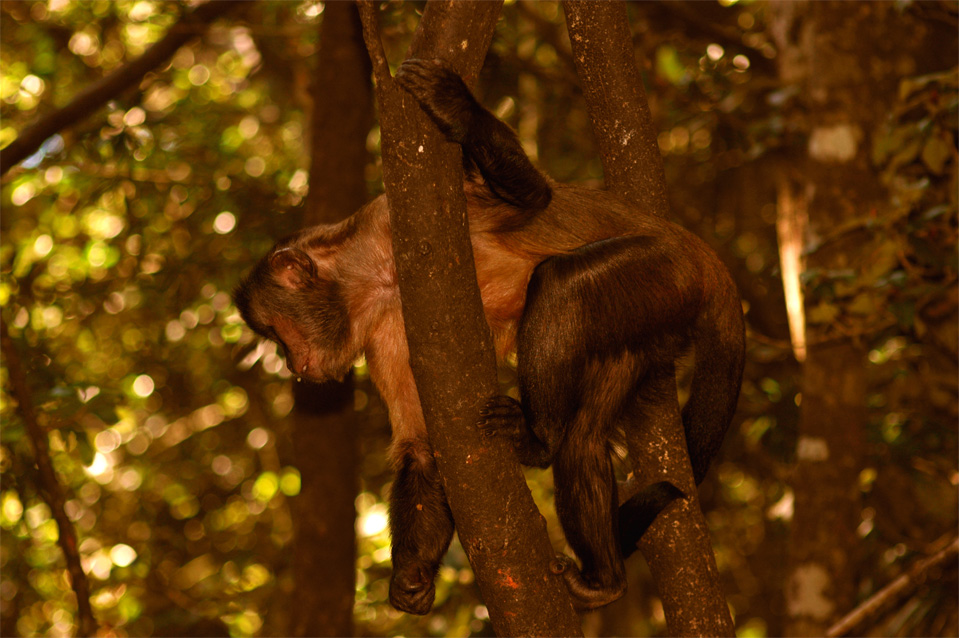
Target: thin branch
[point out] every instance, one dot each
(49, 486)
(374, 44)
(112, 85)
(898, 589)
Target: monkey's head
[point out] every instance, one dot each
(291, 300)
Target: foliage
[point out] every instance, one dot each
(121, 244)
(124, 235)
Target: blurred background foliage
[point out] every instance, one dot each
(123, 236)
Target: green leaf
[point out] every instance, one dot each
(935, 153)
(822, 313)
(12, 431)
(892, 140)
(863, 304)
(884, 260)
(905, 155)
(669, 66)
(84, 447)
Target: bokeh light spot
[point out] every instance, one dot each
(122, 555)
(224, 222)
(257, 438)
(143, 386)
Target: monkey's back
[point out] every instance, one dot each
(509, 242)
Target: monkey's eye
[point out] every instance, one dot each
(273, 336)
(268, 333)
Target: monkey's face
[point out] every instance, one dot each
(317, 353)
(288, 301)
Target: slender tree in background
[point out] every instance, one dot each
(47, 482)
(325, 425)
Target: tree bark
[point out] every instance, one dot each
(450, 344)
(833, 413)
(616, 101)
(677, 545)
(112, 85)
(342, 117)
(324, 422)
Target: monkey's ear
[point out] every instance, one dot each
(292, 267)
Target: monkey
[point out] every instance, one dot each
(596, 298)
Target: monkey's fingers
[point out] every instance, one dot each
(426, 70)
(501, 414)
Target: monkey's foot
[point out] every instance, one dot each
(441, 93)
(586, 596)
(412, 589)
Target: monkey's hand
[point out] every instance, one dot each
(412, 589)
(442, 94)
(503, 416)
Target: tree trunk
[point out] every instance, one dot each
(450, 344)
(324, 422)
(846, 63)
(677, 545)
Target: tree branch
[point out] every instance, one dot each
(898, 589)
(450, 345)
(616, 102)
(677, 545)
(110, 86)
(49, 486)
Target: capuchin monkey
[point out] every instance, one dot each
(597, 299)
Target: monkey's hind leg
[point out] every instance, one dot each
(587, 508)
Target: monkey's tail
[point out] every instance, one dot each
(717, 375)
(638, 513)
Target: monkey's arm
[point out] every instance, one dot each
(421, 524)
(489, 143)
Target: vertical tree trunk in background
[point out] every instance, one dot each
(822, 575)
(451, 350)
(324, 423)
(846, 59)
(341, 119)
(677, 545)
